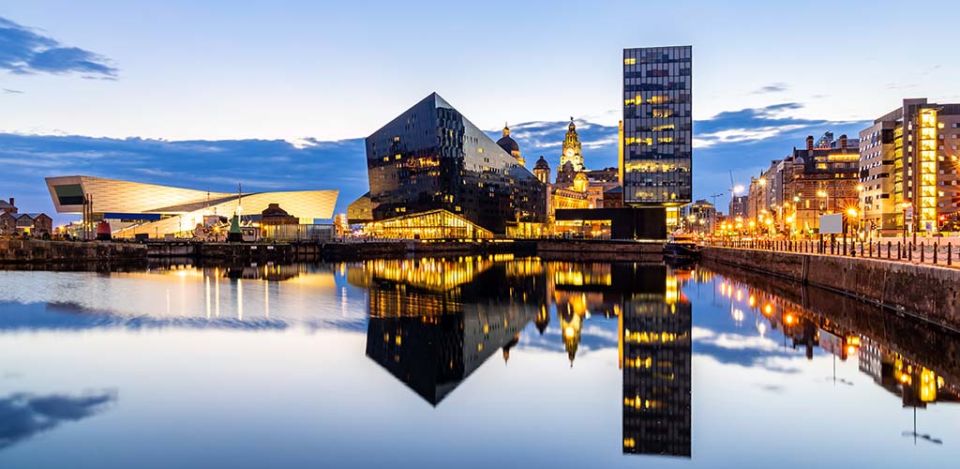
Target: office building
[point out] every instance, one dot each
(658, 128)
(433, 174)
(908, 168)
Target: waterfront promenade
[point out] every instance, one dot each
(943, 252)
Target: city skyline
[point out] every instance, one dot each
(63, 81)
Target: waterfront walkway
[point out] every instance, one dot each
(925, 251)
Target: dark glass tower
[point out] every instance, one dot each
(658, 126)
(431, 157)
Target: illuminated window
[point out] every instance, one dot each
(630, 61)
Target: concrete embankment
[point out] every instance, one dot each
(35, 252)
(923, 291)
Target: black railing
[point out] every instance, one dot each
(923, 252)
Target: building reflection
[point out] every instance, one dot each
(432, 322)
(654, 343)
(655, 337)
(911, 360)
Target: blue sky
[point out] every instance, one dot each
(277, 78)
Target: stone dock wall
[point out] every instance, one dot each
(599, 250)
(924, 291)
(35, 251)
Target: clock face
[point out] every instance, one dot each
(569, 152)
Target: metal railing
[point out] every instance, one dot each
(923, 252)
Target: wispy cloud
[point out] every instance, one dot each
(11, 91)
(26, 51)
(771, 88)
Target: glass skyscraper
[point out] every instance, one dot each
(431, 158)
(658, 127)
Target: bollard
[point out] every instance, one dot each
(936, 247)
(910, 253)
(921, 252)
(871, 249)
(888, 249)
(949, 252)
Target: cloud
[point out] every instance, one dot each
(25, 51)
(10, 91)
(771, 88)
(24, 415)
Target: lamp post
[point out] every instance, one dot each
(860, 206)
(853, 215)
(904, 206)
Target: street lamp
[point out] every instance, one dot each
(852, 215)
(905, 206)
(861, 204)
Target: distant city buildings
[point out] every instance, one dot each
(792, 193)
(899, 176)
(738, 206)
(908, 168)
(700, 217)
(657, 137)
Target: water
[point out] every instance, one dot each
(476, 362)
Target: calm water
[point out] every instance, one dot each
(475, 362)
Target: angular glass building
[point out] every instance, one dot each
(658, 127)
(432, 158)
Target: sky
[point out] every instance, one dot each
(303, 81)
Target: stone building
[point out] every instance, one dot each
(793, 192)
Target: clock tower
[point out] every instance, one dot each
(572, 152)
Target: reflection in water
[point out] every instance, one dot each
(656, 336)
(24, 415)
(432, 322)
(830, 322)
(431, 330)
(917, 362)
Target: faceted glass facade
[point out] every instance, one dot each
(434, 224)
(431, 157)
(657, 125)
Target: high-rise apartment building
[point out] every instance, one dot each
(908, 168)
(658, 128)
